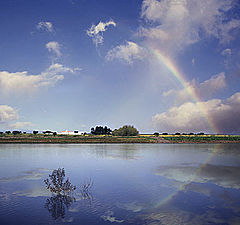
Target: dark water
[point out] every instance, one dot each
(132, 184)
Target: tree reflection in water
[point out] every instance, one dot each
(57, 205)
(85, 191)
(62, 192)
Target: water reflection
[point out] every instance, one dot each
(85, 192)
(57, 205)
(62, 193)
(133, 184)
(225, 176)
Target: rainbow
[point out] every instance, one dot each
(170, 65)
(174, 70)
(181, 187)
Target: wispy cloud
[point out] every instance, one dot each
(34, 193)
(20, 125)
(54, 47)
(126, 53)
(96, 31)
(189, 117)
(35, 174)
(45, 26)
(224, 176)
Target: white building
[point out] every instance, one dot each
(67, 132)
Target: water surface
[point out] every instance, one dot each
(132, 184)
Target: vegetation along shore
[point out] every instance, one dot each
(100, 134)
(142, 138)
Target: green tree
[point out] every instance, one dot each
(100, 130)
(126, 130)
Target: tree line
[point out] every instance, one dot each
(126, 130)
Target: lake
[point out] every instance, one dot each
(130, 184)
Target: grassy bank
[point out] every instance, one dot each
(78, 139)
(203, 138)
(40, 138)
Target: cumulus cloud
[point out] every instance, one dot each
(54, 47)
(45, 26)
(128, 52)
(22, 82)
(189, 117)
(204, 90)
(96, 31)
(7, 113)
(174, 24)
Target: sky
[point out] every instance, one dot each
(160, 65)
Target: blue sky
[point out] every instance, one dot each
(75, 64)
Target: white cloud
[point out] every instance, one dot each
(7, 113)
(54, 46)
(22, 82)
(59, 68)
(19, 125)
(129, 52)
(212, 85)
(226, 52)
(189, 117)
(203, 90)
(172, 25)
(46, 26)
(96, 31)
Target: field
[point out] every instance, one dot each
(41, 138)
(203, 138)
(148, 138)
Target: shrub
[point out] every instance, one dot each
(16, 132)
(156, 134)
(56, 183)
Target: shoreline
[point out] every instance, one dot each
(141, 139)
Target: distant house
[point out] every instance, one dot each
(67, 132)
